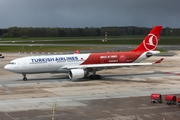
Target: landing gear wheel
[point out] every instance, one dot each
(25, 79)
(92, 77)
(95, 77)
(98, 77)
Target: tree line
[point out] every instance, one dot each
(78, 32)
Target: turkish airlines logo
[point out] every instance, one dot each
(151, 42)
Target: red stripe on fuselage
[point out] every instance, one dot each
(112, 57)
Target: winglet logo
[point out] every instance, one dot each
(151, 42)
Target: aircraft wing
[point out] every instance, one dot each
(110, 65)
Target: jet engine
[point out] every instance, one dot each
(149, 54)
(76, 73)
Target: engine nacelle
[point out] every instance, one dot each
(146, 55)
(75, 74)
(149, 54)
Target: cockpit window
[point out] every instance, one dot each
(12, 63)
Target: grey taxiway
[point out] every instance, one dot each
(123, 93)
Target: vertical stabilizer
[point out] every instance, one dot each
(151, 40)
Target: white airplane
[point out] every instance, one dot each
(81, 65)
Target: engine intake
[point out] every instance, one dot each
(75, 74)
(149, 54)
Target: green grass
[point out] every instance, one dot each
(45, 48)
(53, 48)
(116, 42)
(131, 40)
(120, 42)
(49, 38)
(112, 40)
(71, 38)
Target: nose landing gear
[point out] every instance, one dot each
(24, 77)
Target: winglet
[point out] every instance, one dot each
(159, 61)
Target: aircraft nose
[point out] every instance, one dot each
(7, 67)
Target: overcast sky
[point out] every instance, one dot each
(89, 13)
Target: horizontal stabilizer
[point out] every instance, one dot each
(159, 61)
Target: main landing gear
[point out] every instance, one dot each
(95, 76)
(24, 77)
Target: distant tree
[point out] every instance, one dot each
(76, 32)
(1, 32)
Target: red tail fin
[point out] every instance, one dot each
(151, 40)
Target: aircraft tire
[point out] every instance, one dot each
(92, 77)
(98, 77)
(25, 79)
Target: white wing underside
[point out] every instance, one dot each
(104, 65)
(109, 65)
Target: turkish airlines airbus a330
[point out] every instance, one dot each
(81, 65)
